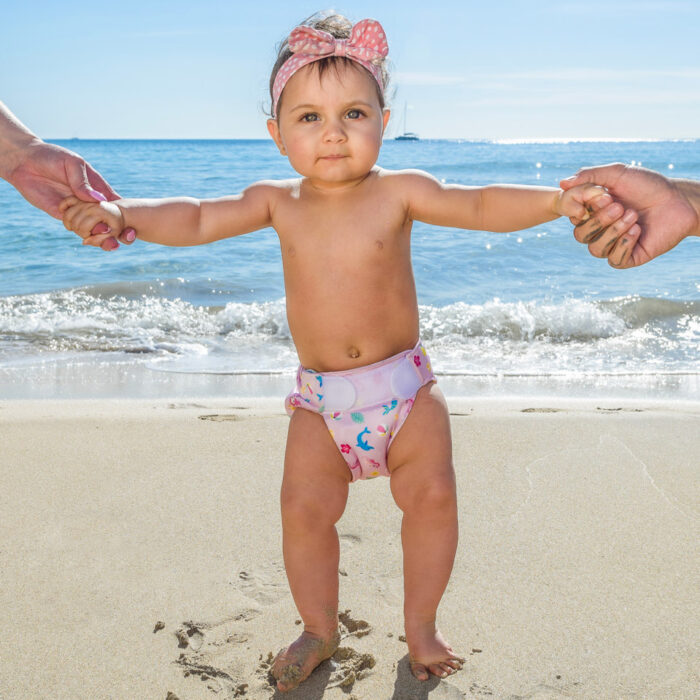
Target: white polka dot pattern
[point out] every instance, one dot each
(367, 46)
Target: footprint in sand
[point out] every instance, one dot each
(265, 585)
(210, 652)
(206, 637)
(545, 691)
(221, 417)
(350, 540)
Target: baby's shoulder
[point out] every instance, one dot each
(271, 194)
(408, 181)
(405, 178)
(275, 188)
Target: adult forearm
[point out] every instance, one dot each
(691, 190)
(174, 221)
(516, 207)
(14, 138)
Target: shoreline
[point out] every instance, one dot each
(143, 553)
(93, 380)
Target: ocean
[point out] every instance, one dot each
(527, 313)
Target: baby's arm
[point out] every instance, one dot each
(499, 208)
(181, 221)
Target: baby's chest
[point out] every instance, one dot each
(353, 251)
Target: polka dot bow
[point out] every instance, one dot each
(367, 46)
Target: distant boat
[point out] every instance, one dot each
(407, 135)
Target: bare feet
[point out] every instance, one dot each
(295, 663)
(429, 652)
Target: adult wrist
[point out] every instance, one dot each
(14, 151)
(15, 139)
(690, 189)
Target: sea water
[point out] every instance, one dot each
(501, 314)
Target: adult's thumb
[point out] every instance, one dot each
(76, 173)
(572, 181)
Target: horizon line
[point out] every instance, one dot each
(505, 140)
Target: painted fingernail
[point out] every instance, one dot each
(130, 234)
(97, 195)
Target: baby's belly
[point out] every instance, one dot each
(340, 332)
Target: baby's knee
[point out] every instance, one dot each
(306, 509)
(430, 496)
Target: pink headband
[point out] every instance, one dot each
(367, 46)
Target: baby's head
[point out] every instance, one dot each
(327, 89)
(338, 27)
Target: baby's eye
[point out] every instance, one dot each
(310, 117)
(355, 114)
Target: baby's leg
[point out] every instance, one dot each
(314, 493)
(423, 486)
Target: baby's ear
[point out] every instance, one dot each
(273, 128)
(387, 114)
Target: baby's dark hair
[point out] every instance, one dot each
(340, 28)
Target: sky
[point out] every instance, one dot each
(461, 68)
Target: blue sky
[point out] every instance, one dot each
(465, 68)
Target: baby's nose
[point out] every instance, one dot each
(334, 131)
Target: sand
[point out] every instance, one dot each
(140, 554)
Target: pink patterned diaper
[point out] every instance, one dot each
(364, 408)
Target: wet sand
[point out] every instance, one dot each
(141, 554)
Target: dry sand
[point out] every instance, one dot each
(140, 555)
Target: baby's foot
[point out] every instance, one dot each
(429, 652)
(295, 663)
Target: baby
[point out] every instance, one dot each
(366, 401)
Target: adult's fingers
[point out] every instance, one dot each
(590, 230)
(621, 256)
(98, 183)
(128, 235)
(76, 173)
(603, 245)
(105, 241)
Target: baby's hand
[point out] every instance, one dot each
(600, 222)
(82, 217)
(576, 203)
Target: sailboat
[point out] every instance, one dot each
(406, 135)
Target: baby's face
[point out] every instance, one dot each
(330, 128)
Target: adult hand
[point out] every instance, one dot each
(667, 213)
(45, 174)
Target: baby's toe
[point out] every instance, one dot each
(419, 671)
(437, 670)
